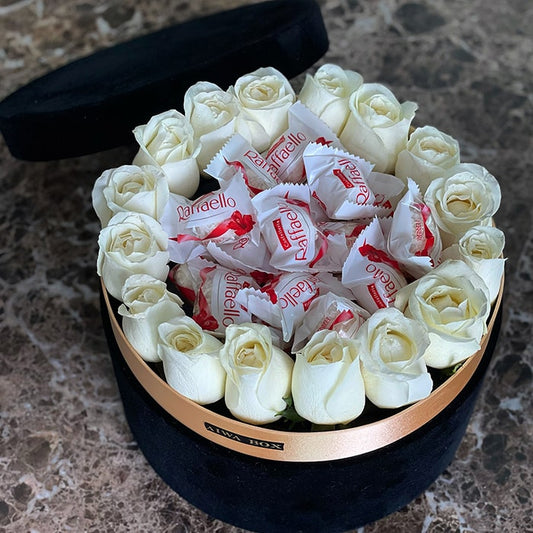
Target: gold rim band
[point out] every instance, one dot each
(297, 446)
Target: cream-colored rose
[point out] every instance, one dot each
(130, 188)
(327, 386)
(327, 94)
(392, 359)
(377, 126)
(481, 248)
(452, 302)
(466, 196)
(428, 154)
(258, 374)
(132, 243)
(146, 304)
(167, 141)
(191, 360)
(265, 96)
(212, 113)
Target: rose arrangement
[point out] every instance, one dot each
(342, 256)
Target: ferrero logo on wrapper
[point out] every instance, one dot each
(230, 435)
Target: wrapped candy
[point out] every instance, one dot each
(414, 237)
(371, 274)
(295, 243)
(332, 312)
(285, 155)
(224, 215)
(216, 305)
(284, 301)
(239, 155)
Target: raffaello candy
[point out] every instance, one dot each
(216, 305)
(285, 156)
(333, 312)
(239, 155)
(224, 215)
(290, 234)
(283, 302)
(243, 254)
(414, 237)
(371, 274)
(345, 186)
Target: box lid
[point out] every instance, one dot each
(93, 104)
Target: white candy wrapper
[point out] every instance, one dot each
(338, 181)
(285, 155)
(286, 225)
(332, 312)
(371, 274)
(243, 255)
(387, 189)
(290, 234)
(224, 215)
(283, 302)
(238, 154)
(216, 305)
(414, 237)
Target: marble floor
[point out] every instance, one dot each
(68, 461)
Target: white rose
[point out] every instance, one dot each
(452, 301)
(132, 243)
(327, 386)
(481, 248)
(392, 363)
(466, 196)
(258, 374)
(377, 126)
(265, 96)
(190, 360)
(167, 141)
(130, 188)
(146, 304)
(327, 94)
(212, 113)
(428, 154)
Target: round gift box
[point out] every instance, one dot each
(269, 480)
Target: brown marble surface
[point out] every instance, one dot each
(67, 459)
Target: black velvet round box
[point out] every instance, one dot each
(266, 495)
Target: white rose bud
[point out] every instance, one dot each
(393, 367)
(212, 113)
(167, 141)
(452, 302)
(327, 94)
(327, 386)
(132, 243)
(265, 96)
(428, 154)
(481, 248)
(130, 188)
(466, 196)
(190, 360)
(377, 126)
(258, 374)
(146, 304)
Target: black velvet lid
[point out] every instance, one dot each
(94, 103)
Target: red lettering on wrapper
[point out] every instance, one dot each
(282, 238)
(375, 296)
(219, 201)
(344, 180)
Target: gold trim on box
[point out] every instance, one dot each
(297, 446)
